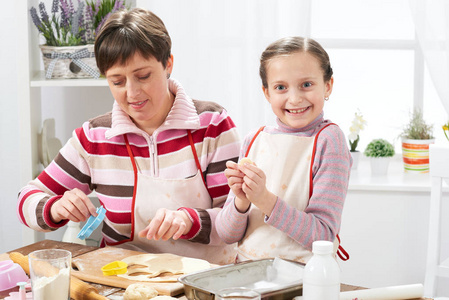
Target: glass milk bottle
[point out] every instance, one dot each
(321, 279)
(71, 234)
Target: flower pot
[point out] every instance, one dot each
(69, 62)
(415, 155)
(355, 159)
(379, 165)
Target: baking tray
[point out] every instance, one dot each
(274, 279)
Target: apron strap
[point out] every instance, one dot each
(341, 252)
(192, 144)
(313, 159)
(133, 162)
(252, 141)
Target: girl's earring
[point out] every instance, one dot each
(326, 98)
(168, 76)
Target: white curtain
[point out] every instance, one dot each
(431, 19)
(217, 46)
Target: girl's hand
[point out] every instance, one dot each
(74, 206)
(235, 182)
(254, 187)
(167, 224)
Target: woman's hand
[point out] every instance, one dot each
(74, 206)
(254, 187)
(235, 182)
(167, 224)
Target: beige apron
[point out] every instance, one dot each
(151, 193)
(286, 161)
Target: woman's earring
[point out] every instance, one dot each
(168, 76)
(326, 98)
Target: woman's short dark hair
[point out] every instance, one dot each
(289, 45)
(127, 32)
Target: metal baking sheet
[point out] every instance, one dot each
(274, 279)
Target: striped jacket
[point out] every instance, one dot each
(322, 217)
(96, 159)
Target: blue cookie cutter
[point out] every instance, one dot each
(92, 223)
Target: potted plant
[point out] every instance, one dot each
(416, 137)
(99, 11)
(379, 151)
(446, 129)
(69, 35)
(358, 124)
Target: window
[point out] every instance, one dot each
(371, 44)
(378, 68)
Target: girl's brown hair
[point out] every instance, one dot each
(289, 45)
(127, 32)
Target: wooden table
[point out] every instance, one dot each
(76, 250)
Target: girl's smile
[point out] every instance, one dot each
(297, 111)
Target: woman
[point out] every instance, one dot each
(156, 162)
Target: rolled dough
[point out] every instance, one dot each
(150, 266)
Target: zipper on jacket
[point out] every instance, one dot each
(153, 156)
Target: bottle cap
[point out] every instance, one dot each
(322, 247)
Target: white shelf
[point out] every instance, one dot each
(39, 80)
(396, 180)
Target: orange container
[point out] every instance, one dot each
(415, 155)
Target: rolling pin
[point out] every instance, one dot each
(79, 290)
(399, 292)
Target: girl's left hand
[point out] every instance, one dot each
(167, 224)
(254, 187)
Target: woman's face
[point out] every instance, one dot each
(296, 88)
(140, 87)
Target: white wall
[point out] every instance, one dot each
(385, 227)
(10, 228)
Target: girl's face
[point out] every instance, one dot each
(296, 88)
(140, 87)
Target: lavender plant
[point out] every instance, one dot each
(73, 24)
(99, 10)
(65, 27)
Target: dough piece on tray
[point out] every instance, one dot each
(149, 267)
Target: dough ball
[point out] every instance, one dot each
(164, 298)
(139, 291)
(245, 160)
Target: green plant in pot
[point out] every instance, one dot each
(416, 137)
(379, 151)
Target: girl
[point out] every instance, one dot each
(293, 192)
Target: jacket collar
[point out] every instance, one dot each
(285, 128)
(183, 115)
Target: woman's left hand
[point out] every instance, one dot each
(254, 187)
(167, 224)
